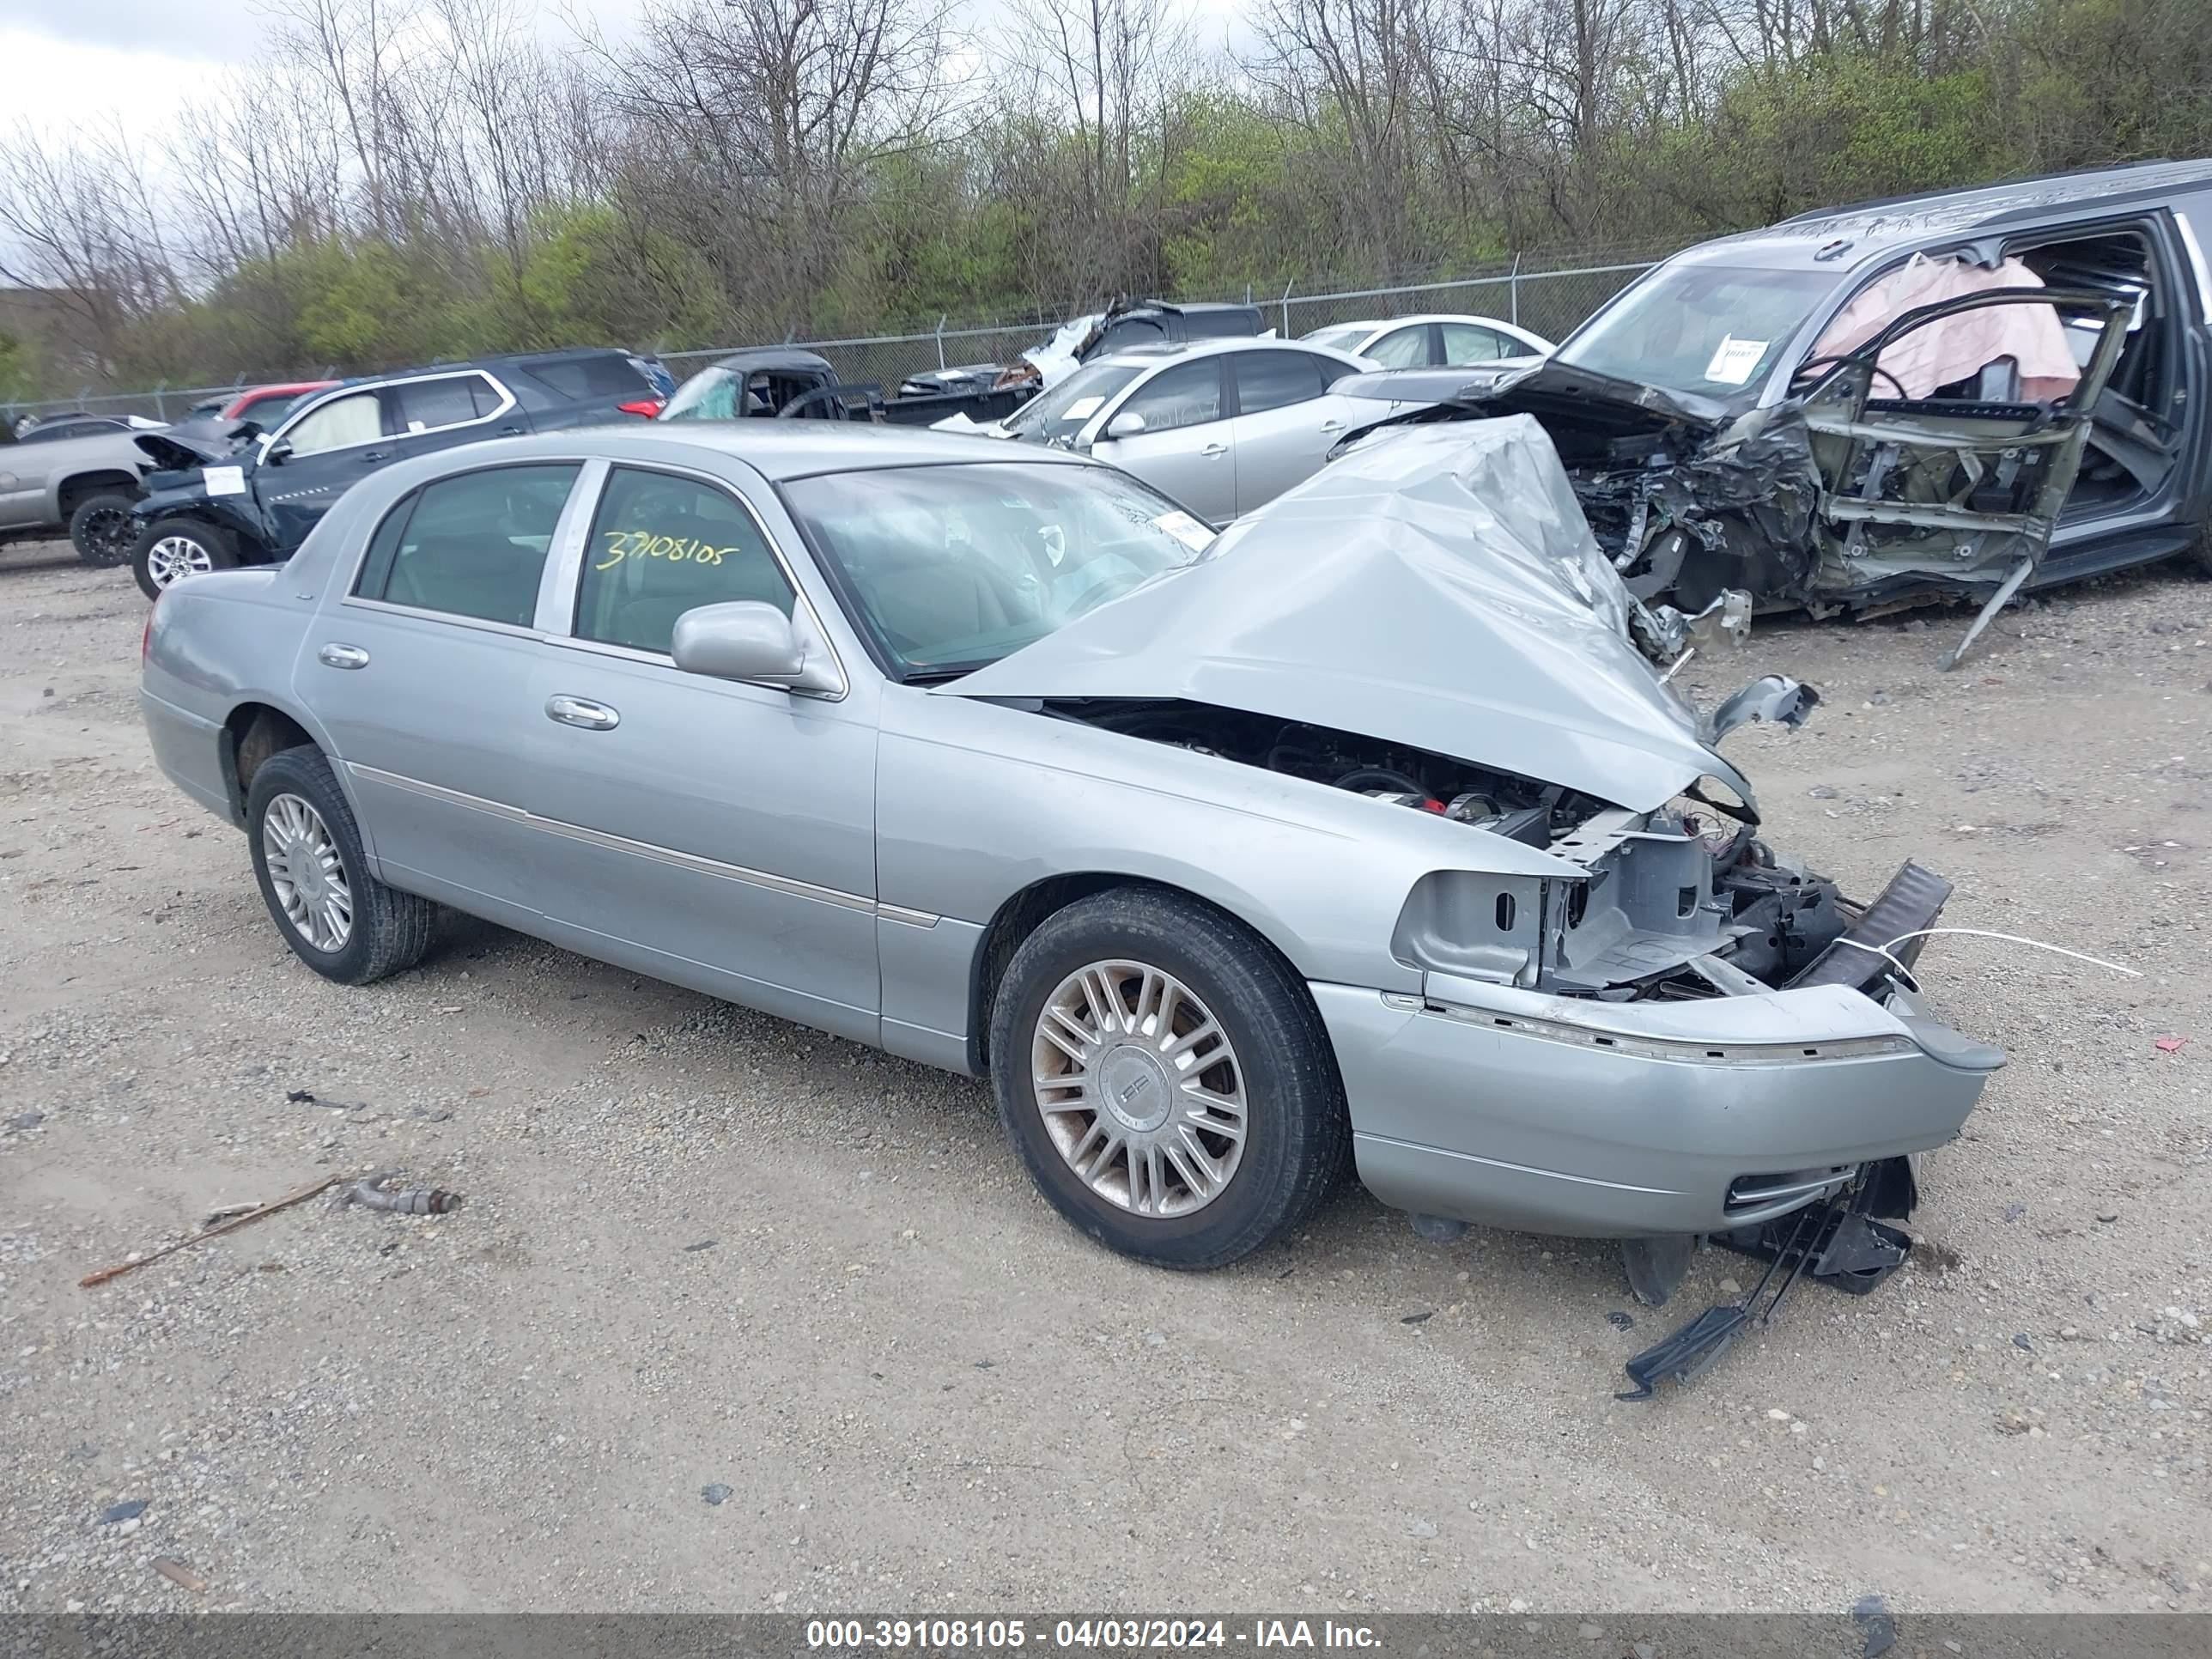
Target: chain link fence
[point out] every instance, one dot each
(1551, 302)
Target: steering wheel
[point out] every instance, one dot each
(1807, 367)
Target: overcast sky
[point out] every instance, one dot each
(71, 61)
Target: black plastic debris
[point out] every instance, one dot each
(129, 1509)
(299, 1096)
(1619, 1320)
(1421, 1318)
(2022, 1342)
(704, 1244)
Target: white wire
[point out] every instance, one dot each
(1983, 933)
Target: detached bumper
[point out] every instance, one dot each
(1555, 1115)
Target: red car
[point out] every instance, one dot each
(266, 405)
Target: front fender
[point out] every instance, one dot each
(238, 514)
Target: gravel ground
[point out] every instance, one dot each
(740, 1316)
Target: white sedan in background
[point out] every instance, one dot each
(1433, 342)
(1221, 426)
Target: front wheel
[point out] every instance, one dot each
(1166, 1080)
(100, 528)
(337, 918)
(171, 549)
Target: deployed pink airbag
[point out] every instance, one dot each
(1957, 346)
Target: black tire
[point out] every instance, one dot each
(391, 929)
(218, 543)
(1297, 1135)
(100, 528)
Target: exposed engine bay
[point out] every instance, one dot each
(1685, 902)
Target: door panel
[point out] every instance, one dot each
(723, 835)
(1284, 425)
(425, 685)
(1187, 449)
(334, 446)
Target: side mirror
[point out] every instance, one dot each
(1127, 425)
(278, 454)
(746, 640)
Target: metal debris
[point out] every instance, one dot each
(368, 1193)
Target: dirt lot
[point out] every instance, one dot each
(702, 1249)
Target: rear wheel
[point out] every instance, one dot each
(170, 550)
(337, 918)
(1167, 1079)
(100, 528)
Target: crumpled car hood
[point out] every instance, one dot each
(179, 449)
(1440, 590)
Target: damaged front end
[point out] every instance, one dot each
(1856, 493)
(1610, 1008)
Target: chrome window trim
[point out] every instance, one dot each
(373, 388)
(583, 463)
(2197, 268)
(558, 624)
(737, 872)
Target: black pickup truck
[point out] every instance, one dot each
(785, 383)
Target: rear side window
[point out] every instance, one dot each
(662, 546)
(470, 546)
(1272, 380)
(1464, 343)
(1403, 348)
(451, 400)
(583, 379)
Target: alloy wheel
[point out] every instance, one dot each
(307, 873)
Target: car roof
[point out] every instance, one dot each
(783, 450)
(772, 357)
(1145, 357)
(1868, 231)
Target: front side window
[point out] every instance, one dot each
(357, 418)
(1464, 343)
(1402, 347)
(1275, 379)
(661, 546)
(1345, 337)
(469, 546)
(1058, 413)
(452, 400)
(946, 569)
(1189, 394)
(1131, 331)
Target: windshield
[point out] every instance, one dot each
(1057, 415)
(1708, 329)
(1346, 337)
(950, 567)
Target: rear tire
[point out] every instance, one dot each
(100, 528)
(308, 859)
(1132, 1031)
(172, 548)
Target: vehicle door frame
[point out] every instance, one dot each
(819, 619)
(1325, 433)
(1094, 430)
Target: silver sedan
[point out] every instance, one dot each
(1223, 426)
(1359, 836)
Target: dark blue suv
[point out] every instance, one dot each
(239, 495)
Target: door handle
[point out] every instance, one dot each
(1215, 449)
(370, 456)
(336, 655)
(510, 431)
(1331, 426)
(579, 711)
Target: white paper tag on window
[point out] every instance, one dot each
(1733, 362)
(223, 480)
(1083, 409)
(1185, 529)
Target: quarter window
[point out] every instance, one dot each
(1189, 394)
(469, 546)
(662, 546)
(338, 424)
